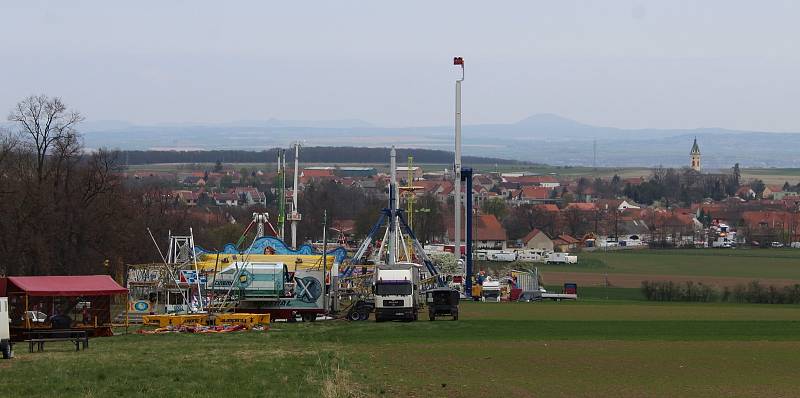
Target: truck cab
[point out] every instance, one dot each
(395, 288)
(490, 291)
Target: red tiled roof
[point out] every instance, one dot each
(314, 173)
(186, 195)
(532, 179)
(535, 193)
(769, 219)
(775, 188)
(568, 239)
(582, 206)
(549, 207)
(487, 227)
(225, 196)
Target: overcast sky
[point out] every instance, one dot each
(667, 64)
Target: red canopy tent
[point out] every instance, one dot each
(64, 286)
(83, 296)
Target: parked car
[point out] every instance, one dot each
(35, 317)
(776, 244)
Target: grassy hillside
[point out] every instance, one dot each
(523, 349)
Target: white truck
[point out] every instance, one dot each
(531, 255)
(5, 334)
(561, 258)
(502, 256)
(490, 291)
(396, 291)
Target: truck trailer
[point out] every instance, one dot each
(269, 287)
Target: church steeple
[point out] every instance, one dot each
(695, 155)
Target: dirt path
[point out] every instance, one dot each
(635, 280)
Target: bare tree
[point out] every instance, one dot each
(46, 124)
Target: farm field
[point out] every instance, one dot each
(773, 175)
(715, 266)
(587, 348)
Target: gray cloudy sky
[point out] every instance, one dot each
(669, 64)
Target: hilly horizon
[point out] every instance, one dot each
(540, 138)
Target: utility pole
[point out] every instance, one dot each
(457, 165)
(295, 216)
(325, 260)
(281, 194)
(392, 237)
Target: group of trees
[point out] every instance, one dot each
(65, 210)
(683, 186)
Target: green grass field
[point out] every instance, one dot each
(743, 263)
(589, 348)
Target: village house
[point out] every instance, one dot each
(565, 243)
(250, 196)
(402, 172)
(745, 192)
(615, 204)
(225, 199)
(534, 195)
(488, 233)
(537, 240)
(186, 198)
(194, 181)
(310, 174)
(532, 180)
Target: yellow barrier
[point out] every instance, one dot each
(248, 320)
(193, 319)
(165, 320)
(156, 320)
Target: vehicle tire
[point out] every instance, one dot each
(354, 315)
(363, 314)
(5, 347)
(309, 317)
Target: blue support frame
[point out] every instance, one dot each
(466, 174)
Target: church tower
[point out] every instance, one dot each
(695, 154)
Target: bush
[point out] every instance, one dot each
(753, 292)
(671, 291)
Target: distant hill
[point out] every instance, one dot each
(343, 155)
(540, 138)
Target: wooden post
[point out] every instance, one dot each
(27, 318)
(127, 310)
